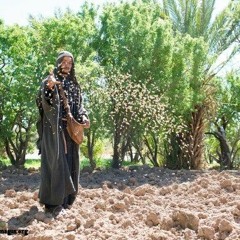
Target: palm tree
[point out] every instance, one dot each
(220, 32)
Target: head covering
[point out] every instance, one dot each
(64, 54)
(57, 70)
(60, 57)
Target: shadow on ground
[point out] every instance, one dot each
(133, 176)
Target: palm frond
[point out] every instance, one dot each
(225, 29)
(203, 17)
(172, 10)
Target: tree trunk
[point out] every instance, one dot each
(121, 143)
(153, 150)
(196, 138)
(224, 156)
(175, 158)
(90, 147)
(16, 147)
(116, 150)
(186, 148)
(139, 152)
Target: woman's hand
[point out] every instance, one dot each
(51, 81)
(86, 122)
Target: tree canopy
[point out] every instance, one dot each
(148, 73)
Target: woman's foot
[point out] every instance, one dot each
(68, 201)
(58, 211)
(67, 206)
(50, 208)
(55, 210)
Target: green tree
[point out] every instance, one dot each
(17, 83)
(220, 33)
(26, 54)
(224, 122)
(141, 55)
(96, 103)
(75, 33)
(129, 41)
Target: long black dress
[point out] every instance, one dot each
(59, 153)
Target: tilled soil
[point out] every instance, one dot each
(139, 203)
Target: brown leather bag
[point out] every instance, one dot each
(74, 128)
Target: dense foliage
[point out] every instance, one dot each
(148, 73)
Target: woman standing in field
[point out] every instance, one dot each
(59, 153)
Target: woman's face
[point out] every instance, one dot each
(66, 65)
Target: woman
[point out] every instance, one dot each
(59, 153)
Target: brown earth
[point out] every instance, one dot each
(139, 203)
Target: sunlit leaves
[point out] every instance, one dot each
(135, 102)
(141, 79)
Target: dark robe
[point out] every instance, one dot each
(59, 153)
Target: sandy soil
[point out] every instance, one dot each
(139, 203)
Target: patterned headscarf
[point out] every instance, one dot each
(61, 55)
(64, 54)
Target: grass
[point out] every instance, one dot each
(32, 163)
(106, 163)
(4, 162)
(100, 163)
(84, 162)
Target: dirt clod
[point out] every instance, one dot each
(132, 203)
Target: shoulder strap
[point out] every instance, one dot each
(65, 100)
